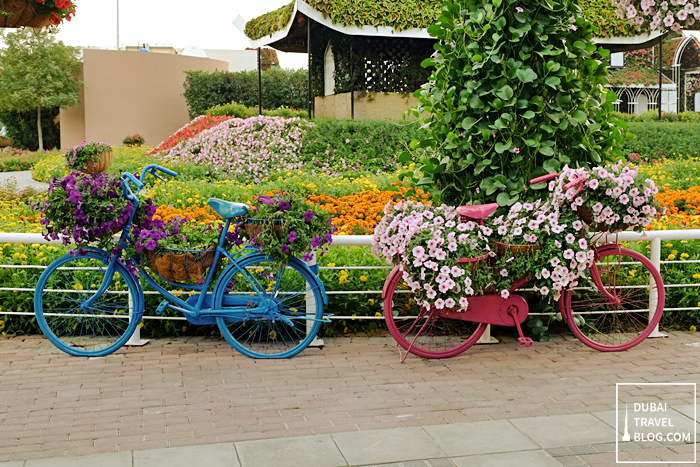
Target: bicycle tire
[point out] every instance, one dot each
(270, 337)
(440, 337)
(608, 326)
(99, 330)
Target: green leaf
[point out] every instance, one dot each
(529, 114)
(580, 116)
(468, 123)
(475, 103)
(414, 144)
(405, 157)
(425, 181)
(505, 93)
(552, 81)
(504, 199)
(547, 151)
(551, 165)
(501, 148)
(526, 75)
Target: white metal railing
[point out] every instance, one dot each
(655, 237)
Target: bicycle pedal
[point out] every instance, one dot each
(524, 342)
(162, 307)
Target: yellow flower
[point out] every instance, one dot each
(343, 279)
(669, 245)
(377, 314)
(2, 325)
(141, 324)
(363, 278)
(671, 257)
(692, 328)
(370, 301)
(184, 329)
(331, 265)
(696, 276)
(354, 314)
(684, 256)
(345, 330)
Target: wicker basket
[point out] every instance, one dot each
(516, 250)
(23, 13)
(254, 226)
(5, 142)
(103, 164)
(585, 214)
(181, 265)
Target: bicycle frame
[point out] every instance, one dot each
(191, 310)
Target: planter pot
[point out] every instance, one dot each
(585, 214)
(517, 250)
(253, 227)
(5, 142)
(103, 164)
(181, 265)
(23, 14)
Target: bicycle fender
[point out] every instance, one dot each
(388, 281)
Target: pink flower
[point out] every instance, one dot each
(450, 303)
(504, 273)
(463, 302)
(544, 291)
(569, 254)
(439, 303)
(668, 20)
(516, 150)
(582, 243)
(440, 255)
(682, 15)
(505, 293)
(518, 9)
(569, 239)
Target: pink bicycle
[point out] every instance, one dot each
(617, 303)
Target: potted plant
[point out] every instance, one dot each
(35, 13)
(133, 140)
(285, 225)
(178, 250)
(82, 209)
(89, 157)
(5, 142)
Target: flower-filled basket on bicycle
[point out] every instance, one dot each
(176, 248)
(285, 225)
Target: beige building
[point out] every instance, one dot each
(131, 92)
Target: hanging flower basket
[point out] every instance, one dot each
(585, 214)
(253, 227)
(516, 250)
(101, 165)
(5, 142)
(181, 265)
(21, 13)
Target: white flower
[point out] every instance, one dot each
(569, 254)
(554, 262)
(570, 238)
(544, 291)
(582, 243)
(545, 273)
(439, 304)
(504, 273)
(463, 302)
(505, 293)
(450, 303)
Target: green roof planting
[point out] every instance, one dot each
(407, 14)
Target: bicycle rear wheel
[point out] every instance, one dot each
(423, 332)
(291, 321)
(95, 331)
(616, 317)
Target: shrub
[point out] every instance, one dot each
(653, 116)
(21, 127)
(654, 139)
(240, 111)
(355, 144)
(280, 87)
(521, 104)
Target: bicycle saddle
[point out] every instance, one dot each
(478, 211)
(227, 209)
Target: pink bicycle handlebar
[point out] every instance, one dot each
(544, 178)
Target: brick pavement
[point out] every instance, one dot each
(186, 392)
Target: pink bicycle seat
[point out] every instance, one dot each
(478, 211)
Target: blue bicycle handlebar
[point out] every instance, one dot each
(152, 168)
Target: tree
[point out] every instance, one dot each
(517, 91)
(37, 71)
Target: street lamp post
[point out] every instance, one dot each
(117, 24)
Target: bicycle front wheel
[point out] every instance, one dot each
(89, 331)
(618, 303)
(424, 333)
(293, 302)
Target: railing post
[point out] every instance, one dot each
(135, 339)
(486, 337)
(311, 305)
(655, 257)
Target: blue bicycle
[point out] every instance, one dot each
(90, 304)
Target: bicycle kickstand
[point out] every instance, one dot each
(522, 340)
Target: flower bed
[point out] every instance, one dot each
(188, 131)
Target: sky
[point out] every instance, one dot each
(177, 23)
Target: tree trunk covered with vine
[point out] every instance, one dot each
(516, 92)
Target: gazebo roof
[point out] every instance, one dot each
(285, 28)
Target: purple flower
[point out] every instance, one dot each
(307, 257)
(292, 236)
(150, 244)
(316, 241)
(285, 206)
(308, 215)
(284, 248)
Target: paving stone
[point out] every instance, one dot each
(12, 464)
(521, 459)
(583, 449)
(391, 445)
(440, 463)
(463, 439)
(116, 459)
(556, 452)
(319, 451)
(216, 455)
(565, 430)
(569, 460)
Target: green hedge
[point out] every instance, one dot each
(241, 111)
(280, 88)
(663, 138)
(21, 127)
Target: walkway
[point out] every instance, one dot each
(24, 179)
(192, 401)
